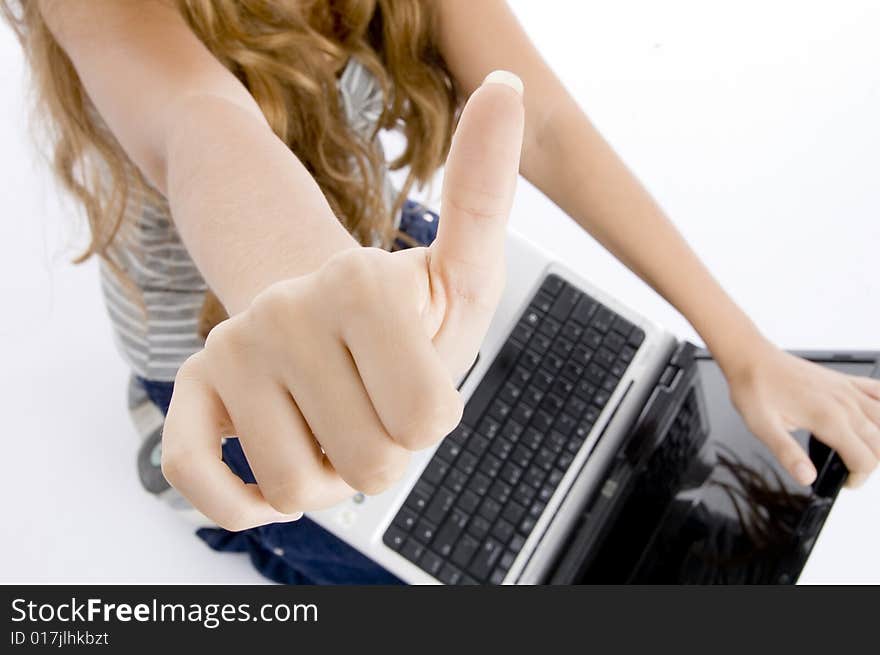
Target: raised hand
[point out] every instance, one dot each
(330, 380)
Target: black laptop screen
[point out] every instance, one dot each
(740, 518)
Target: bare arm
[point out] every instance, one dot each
(565, 157)
(247, 210)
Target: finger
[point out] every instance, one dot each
(869, 386)
(868, 424)
(478, 187)
(406, 381)
(835, 430)
(467, 259)
(788, 451)
(332, 398)
(287, 462)
(191, 458)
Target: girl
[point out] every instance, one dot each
(226, 155)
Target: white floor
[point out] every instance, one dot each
(755, 125)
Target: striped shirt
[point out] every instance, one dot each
(157, 335)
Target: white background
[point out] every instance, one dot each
(755, 125)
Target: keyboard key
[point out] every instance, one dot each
(513, 512)
(467, 463)
(542, 421)
(532, 438)
(545, 458)
(500, 491)
(564, 424)
(406, 519)
(412, 550)
(523, 414)
(494, 377)
(456, 480)
(636, 337)
(622, 326)
(448, 451)
(565, 303)
(501, 448)
(584, 310)
(510, 393)
(477, 445)
(552, 284)
(449, 533)
(549, 327)
(543, 302)
(522, 333)
(464, 551)
(540, 343)
(435, 471)
(535, 476)
(499, 411)
(512, 431)
(516, 544)
(420, 496)
(503, 531)
(605, 358)
(431, 563)
(592, 339)
(479, 484)
(489, 427)
(497, 576)
(524, 493)
(572, 331)
(510, 473)
(485, 559)
(440, 504)
(530, 360)
(602, 319)
(394, 538)
(490, 509)
(425, 531)
(614, 341)
(468, 502)
(521, 456)
(562, 347)
(490, 465)
(449, 574)
(527, 525)
(478, 527)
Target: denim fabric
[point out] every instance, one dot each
(301, 552)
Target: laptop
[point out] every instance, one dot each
(594, 447)
(571, 396)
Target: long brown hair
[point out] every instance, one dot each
(288, 54)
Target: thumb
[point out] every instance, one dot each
(478, 187)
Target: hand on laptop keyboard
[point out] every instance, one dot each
(330, 379)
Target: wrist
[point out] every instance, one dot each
(736, 344)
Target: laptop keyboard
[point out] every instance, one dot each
(478, 499)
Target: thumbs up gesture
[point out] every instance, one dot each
(330, 380)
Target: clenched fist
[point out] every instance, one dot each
(330, 380)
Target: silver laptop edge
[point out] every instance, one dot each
(361, 521)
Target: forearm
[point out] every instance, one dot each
(574, 166)
(248, 211)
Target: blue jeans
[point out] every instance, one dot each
(301, 552)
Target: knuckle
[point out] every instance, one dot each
(224, 338)
(375, 477)
(287, 497)
(270, 310)
(234, 521)
(355, 279)
(428, 423)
